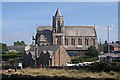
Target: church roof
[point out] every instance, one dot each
(58, 13)
(39, 28)
(76, 48)
(80, 31)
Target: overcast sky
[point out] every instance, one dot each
(19, 19)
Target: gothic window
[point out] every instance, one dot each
(86, 41)
(79, 41)
(93, 41)
(58, 23)
(72, 41)
(58, 41)
(66, 41)
(59, 27)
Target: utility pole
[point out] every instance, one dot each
(35, 50)
(59, 57)
(108, 41)
(109, 57)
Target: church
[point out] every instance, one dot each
(75, 39)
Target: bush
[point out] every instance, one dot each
(75, 60)
(104, 66)
(13, 55)
(92, 52)
(78, 59)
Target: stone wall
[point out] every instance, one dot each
(60, 56)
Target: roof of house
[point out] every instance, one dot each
(17, 48)
(80, 31)
(49, 48)
(110, 54)
(112, 44)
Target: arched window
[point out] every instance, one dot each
(72, 41)
(86, 41)
(59, 41)
(93, 41)
(79, 41)
(59, 27)
(66, 41)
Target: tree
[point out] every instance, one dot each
(19, 43)
(75, 60)
(92, 52)
(3, 48)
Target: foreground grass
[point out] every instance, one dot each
(63, 72)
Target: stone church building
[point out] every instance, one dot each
(54, 44)
(73, 38)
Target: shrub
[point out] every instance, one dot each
(75, 60)
(92, 52)
(12, 55)
(104, 66)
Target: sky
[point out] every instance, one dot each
(19, 19)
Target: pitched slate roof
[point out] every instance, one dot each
(50, 48)
(76, 48)
(110, 54)
(17, 48)
(39, 28)
(80, 31)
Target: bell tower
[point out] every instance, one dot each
(58, 22)
(58, 26)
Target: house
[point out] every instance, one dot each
(114, 47)
(51, 55)
(114, 57)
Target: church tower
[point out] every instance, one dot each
(58, 22)
(58, 28)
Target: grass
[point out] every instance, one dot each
(63, 72)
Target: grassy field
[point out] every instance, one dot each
(63, 72)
